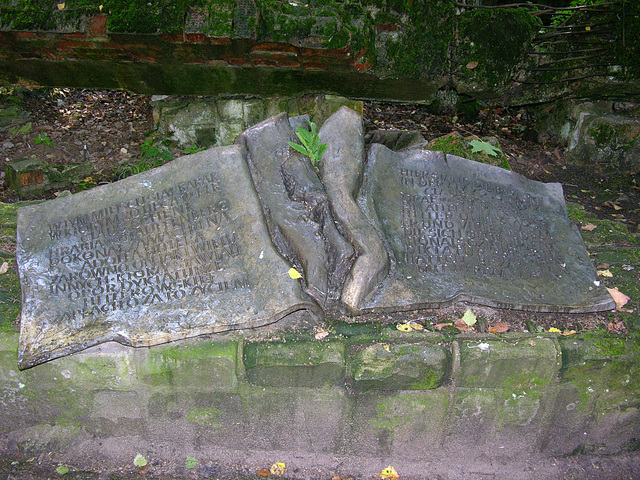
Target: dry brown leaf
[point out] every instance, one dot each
(4, 268)
(613, 205)
(440, 326)
(620, 298)
(589, 227)
(472, 65)
(461, 325)
(263, 472)
(605, 273)
(532, 343)
(321, 334)
(499, 327)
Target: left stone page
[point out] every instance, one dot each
(175, 252)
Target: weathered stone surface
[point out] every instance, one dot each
(299, 364)
(341, 168)
(218, 120)
(171, 253)
(524, 364)
(461, 230)
(400, 367)
(608, 141)
(296, 208)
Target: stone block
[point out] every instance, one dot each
(26, 175)
(198, 365)
(32, 176)
(611, 141)
(578, 350)
(298, 364)
(525, 362)
(407, 424)
(400, 367)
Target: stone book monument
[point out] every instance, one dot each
(205, 243)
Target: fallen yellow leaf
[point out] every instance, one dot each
(293, 273)
(4, 268)
(404, 327)
(416, 326)
(277, 468)
(61, 6)
(390, 473)
(554, 330)
(604, 273)
(569, 332)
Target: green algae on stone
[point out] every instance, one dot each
(400, 367)
(496, 51)
(197, 364)
(209, 416)
(299, 363)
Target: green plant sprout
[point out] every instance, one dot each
(152, 157)
(309, 143)
(44, 140)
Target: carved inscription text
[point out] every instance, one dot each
(152, 249)
(460, 225)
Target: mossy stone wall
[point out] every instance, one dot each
(392, 49)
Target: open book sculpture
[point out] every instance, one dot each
(206, 243)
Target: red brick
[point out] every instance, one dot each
(30, 178)
(74, 36)
(327, 52)
(264, 62)
(289, 62)
(195, 37)
(220, 41)
(315, 66)
(238, 61)
(363, 67)
(387, 27)
(26, 35)
(172, 37)
(275, 47)
(97, 26)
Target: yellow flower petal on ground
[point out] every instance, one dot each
(390, 473)
(277, 468)
(293, 273)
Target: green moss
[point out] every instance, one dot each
(603, 133)
(422, 47)
(455, 144)
(529, 384)
(209, 416)
(495, 39)
(429, 381)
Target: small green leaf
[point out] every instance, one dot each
(321, 150)
(299, 148)
(140, 461)
(469, 318)
(191, 463)
(62, 470)
(480, 146)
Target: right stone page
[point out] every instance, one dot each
(459, 230)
